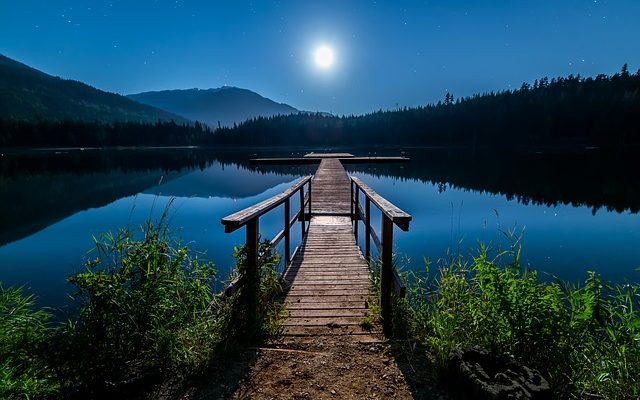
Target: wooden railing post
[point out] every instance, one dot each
(367, 228)
(302, 216)
(251, 271)
(309, 199)
(351, 202)
(386, 273)
(357, 212)
(287, 233)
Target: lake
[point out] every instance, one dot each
(573, 212)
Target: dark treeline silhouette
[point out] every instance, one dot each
(20, 133)
(600, 111)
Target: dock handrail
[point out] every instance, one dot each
(250, 217)
(391, 215)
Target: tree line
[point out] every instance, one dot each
(48, 133)
(600, 111)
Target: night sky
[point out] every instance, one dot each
(387, 54)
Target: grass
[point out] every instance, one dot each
(146, 311)
(366, 323)
(585, 339)
(24, 373)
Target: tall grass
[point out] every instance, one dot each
(146, 304)
(23, 334)
(585, 339)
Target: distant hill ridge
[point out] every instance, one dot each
(227, 104)
(29, 94)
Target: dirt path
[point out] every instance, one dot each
(329, 369)
(318, 368)
(314, 368)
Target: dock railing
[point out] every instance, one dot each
(250, 218)
(391, 215)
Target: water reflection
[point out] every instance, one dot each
(52, 204)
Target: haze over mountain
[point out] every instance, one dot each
(227, 105)
(29, 94)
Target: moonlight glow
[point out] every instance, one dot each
(324, 56)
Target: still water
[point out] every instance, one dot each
(53, 204)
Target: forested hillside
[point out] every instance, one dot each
(604, 110)
(31, 95)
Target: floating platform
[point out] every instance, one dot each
(314, 158)
(328, 155)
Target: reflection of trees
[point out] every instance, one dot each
(597, 179)
(41, 188)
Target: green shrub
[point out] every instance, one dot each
(585, 340)
(144, 305)
(23, 333)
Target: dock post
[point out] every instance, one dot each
(357, 212)
(367, 229)
(287, 232)
(251, 275)
(302, 216)
(386, 274)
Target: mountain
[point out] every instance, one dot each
(227, 105)
(29, 94)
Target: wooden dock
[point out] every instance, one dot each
(329, 276)
(327, 279)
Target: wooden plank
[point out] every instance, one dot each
(333, 275)
(328, 155)
(333, 321)
(328, 288)
(326, 283)
(347, 330)
(346, 263)
(327, 305)
(315, 160)
(335, 312)
(298, 298)
(372, 160)
(328, 292)
(319, 265)
(324, 280)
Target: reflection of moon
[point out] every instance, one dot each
(324, 56)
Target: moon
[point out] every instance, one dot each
(324, 57)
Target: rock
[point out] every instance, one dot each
(479, 374)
